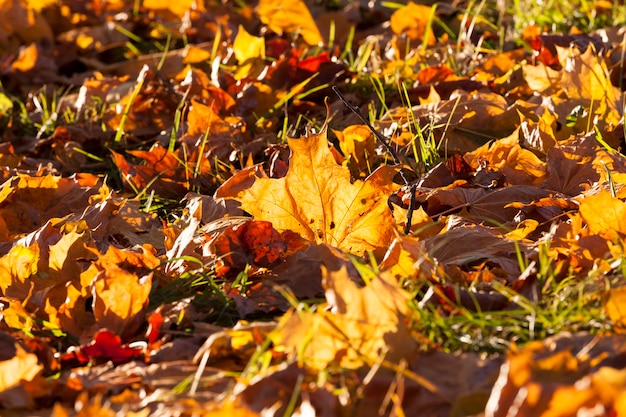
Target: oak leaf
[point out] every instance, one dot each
(317, 200)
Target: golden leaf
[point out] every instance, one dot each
(179, 7)
(246, 46)
(519, 165)
(317, 200)
(359, 144)
(291, 16)
(362, 325)
(604, 214)
(616, 308)
(18, 265)
(412, 19)
(21, 366)
(121, 289)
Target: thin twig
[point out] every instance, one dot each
(382, 139)
(411, 209)
(378, 135)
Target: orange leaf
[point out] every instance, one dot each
(290, 16)
(121, 289)
(616, 308)
(412, 19)
(317, 200)
(359, 144)
(605, 215)
(361, 325)
(16, 365)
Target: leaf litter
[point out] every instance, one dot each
(191, 222)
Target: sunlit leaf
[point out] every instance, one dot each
(360, 326)
(121, 289)
(412, 19)
(16, 364)
(605, 215)
(246, 46)
(291, 16)
(317, 200)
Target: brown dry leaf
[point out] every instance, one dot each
(291, 16)
(18, 18)
(541, 135)
(581, 250)
(163, 172)
(317, 200)
(361, 325)
(586, 76)
(45, 278)
(569, 166)
(151, 107)
(28, 201)
(501, 205)
(207, 130)
(274, 391)
(412, 19)
(487, 245)
(198, 86)
(300, 275)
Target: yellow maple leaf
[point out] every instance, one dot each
(18, 364)
(121, 289)
(615, 307)
(291, 16)
(362, 325)
(246, 46)
(412, 19)
(317, 200)
(604, 215)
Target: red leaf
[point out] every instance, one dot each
(107, 346)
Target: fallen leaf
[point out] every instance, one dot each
(122, 281)
(412, 19)
(359, 327)
(292, 16)
(317, 200)
(246, 46)
(604, 215)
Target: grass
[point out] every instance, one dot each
(561, 301)
(566, 304)
(572, 304)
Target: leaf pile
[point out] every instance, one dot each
(192, 223)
